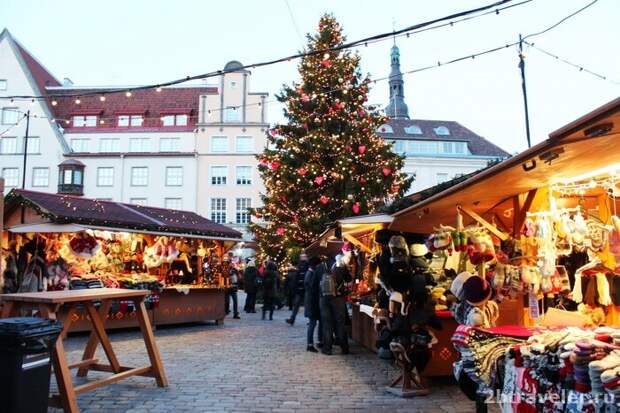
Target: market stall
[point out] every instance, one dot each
(57, 242)
(541, 231)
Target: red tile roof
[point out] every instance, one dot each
(41, 75)
(150, 103)
(69, 209)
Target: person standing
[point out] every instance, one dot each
(249, 284)
(289, 285)
(232, 286)
(312, 311)
(302, 267)
(269, 288)
(333, 306)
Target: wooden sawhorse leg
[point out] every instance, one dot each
(98, 335)
(157, 366)
(66, 392)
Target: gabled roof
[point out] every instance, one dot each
(149, 103)
(38, 76)
(68, 209)
(477, 144)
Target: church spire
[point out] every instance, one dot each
(397, 108)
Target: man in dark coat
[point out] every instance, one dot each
(302, 267)
(312, 297)
(249, 283)
(333, 311)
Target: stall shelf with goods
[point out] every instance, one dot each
(541, 231)
(58, 242)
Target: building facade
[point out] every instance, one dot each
(188, 147)
(435, 151)
(230, 133)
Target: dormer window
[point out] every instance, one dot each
(413, 130)
(385, 129)
(84, 121)
(174, 120)
(125, 121)
(442, 130)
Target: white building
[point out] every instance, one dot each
(435, 150)
(189, 147)
(231, 132)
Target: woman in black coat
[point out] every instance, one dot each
(249, 285)
(312, 282)
(269, 288)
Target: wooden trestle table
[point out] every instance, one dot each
(63, 306)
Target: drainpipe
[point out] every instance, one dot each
(122, 176)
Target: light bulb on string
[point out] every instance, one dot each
(78, 101)
(128, 94)
(102, 98)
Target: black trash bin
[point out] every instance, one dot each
(26, 345)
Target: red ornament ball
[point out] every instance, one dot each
(280, 231)
(326, 63)
(324, 199)
(387, 171)
(302, 171)
(274, 165)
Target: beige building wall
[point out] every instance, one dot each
(230, 134)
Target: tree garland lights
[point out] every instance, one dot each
(326, 162)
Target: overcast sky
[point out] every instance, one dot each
(118, 42)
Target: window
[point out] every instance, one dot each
(244, 144)
(10, 116)
(413, 130)
(109, 145)
(169, 145)
(460, 147)
(174, 175)
(243, 210)
(3, 84)
(34, 144)
(174, 120)
(442, 130)
(447, 147)
(219, 144)
(40, 177)
(139, 145)
(244, 175)
(139, 176)
(218, 210)
(130, 120)
(173, 203)
(385, 129)
(105, 176)
(11, 177)
(79, 145)
(104, 199)
(89, 121)
(231, 114)
(399, 147)
(419, 147)
(138, 201)
(442, 177)
(8, 145)
(67, 178)
(219, 174)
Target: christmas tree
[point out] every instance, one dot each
(326, 162)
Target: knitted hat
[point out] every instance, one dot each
(418, 250)
(476, 290)
(347, 247)
(457, 284)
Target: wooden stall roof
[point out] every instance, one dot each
(589, 143)
(114, 216)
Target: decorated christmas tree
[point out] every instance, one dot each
(326, 162)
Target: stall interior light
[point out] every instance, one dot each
(611, 170)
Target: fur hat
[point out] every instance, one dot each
(476, 290)
(418, 250)
(457, 284)
(398, 242)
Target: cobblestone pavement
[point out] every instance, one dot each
(250, 365)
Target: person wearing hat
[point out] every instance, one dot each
(250, 287)
(312, 301)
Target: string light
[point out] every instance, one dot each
(429, 25)
(78, 101)
(54, 102)
(102, 98)
(128, 94)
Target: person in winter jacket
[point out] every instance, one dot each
(249, 283)
(333, 311)
(270, 278)
(302, 267)
(312, 297)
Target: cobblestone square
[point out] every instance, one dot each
(251, 365)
